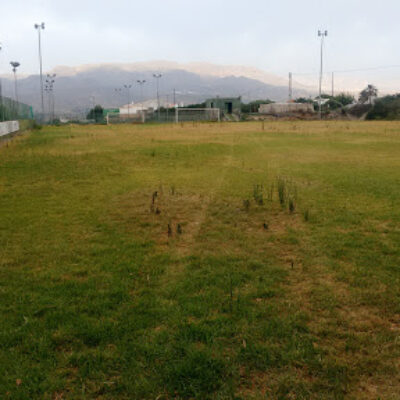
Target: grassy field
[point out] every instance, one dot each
(209, 261)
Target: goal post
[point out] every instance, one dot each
(197, 114)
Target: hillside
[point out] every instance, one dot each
(193, 83)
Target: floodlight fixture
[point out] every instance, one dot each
(15, 65)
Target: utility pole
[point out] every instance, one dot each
(158, 76)
(39, 28)
(322, 35)
(128, 87)
(333, 84)
(174, 98)
(290, 88)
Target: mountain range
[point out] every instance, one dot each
(77, 88)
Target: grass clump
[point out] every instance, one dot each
(291, 205)
(258, 194)
(282, 192)
(195, 374)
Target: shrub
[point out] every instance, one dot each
(386, 108)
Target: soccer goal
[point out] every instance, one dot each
(116, 118)
(197, 114)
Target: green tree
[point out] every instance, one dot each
(386, 108)
(339, 101)
(96, 113)
(368, 94)
(304, 100)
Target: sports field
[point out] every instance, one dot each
(201, 261)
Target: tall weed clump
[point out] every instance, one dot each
(285, 189)
(281, 189)
(258, 194)
(287, 193)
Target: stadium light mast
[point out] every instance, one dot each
(157, 77)
(128, 87)
(141, 82)
(93, 100)
(50, 86)
(47, 90)
(118, 91)
(1, 94)
(39, 28)
(15, 65)
(322, 35)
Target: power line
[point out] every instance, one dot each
(351, 70)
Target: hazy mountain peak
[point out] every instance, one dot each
(200, 68)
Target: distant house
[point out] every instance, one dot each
(285, 108)
(146, 105)
(227, 105)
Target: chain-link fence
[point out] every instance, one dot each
(166, 116)
(13, 110)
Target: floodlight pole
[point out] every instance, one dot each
(47, 90)
(50, 86)
(141, 82)
(158, 76)
(15, 65)
(129, 96)
(1, 94)
(39, 28)
(118, 91)
(94, 105)
(322, 35)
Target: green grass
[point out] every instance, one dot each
(279, 278)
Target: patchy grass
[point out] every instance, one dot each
(207, 261)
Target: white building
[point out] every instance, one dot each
(147, 105)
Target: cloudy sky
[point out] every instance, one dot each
(277, 36)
